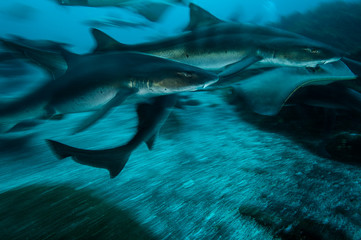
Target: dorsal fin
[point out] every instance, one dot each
(200, 18)
(104, 42)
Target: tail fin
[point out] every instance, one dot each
(113, 159)
(51, 61)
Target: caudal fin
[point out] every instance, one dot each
(51, 61)
(113, 159)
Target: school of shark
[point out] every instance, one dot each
(264, 65)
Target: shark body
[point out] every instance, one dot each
(213, 44)
(102, 81)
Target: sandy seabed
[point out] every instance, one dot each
(210, 175)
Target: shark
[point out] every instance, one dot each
(153, 114)
(152, 10)
(266, 91)
(151, 117)
(213, 44)
(98, 82)
(209, 43)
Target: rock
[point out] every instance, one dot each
(290, 226)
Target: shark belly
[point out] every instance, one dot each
(89, 101)
(274, 62)
(209, 60)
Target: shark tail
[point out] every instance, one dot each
(113, 159)
(50, 61)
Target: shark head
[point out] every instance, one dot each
(170, 76)
(299, 52)
(181, 77)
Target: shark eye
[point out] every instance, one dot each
(312, 50)
(185, 74)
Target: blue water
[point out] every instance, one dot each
(47, 20)
(216, 171)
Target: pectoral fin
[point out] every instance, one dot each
(145, 112)
(150, 141)
(117, 100)
(266, 93)
(355, 66)
(151, 117)
(25, 125)
(239, 66)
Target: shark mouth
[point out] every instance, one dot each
(210, 83)
(332, 60)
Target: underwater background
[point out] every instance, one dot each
(218, 170)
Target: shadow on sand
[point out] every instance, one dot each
(62, 212)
